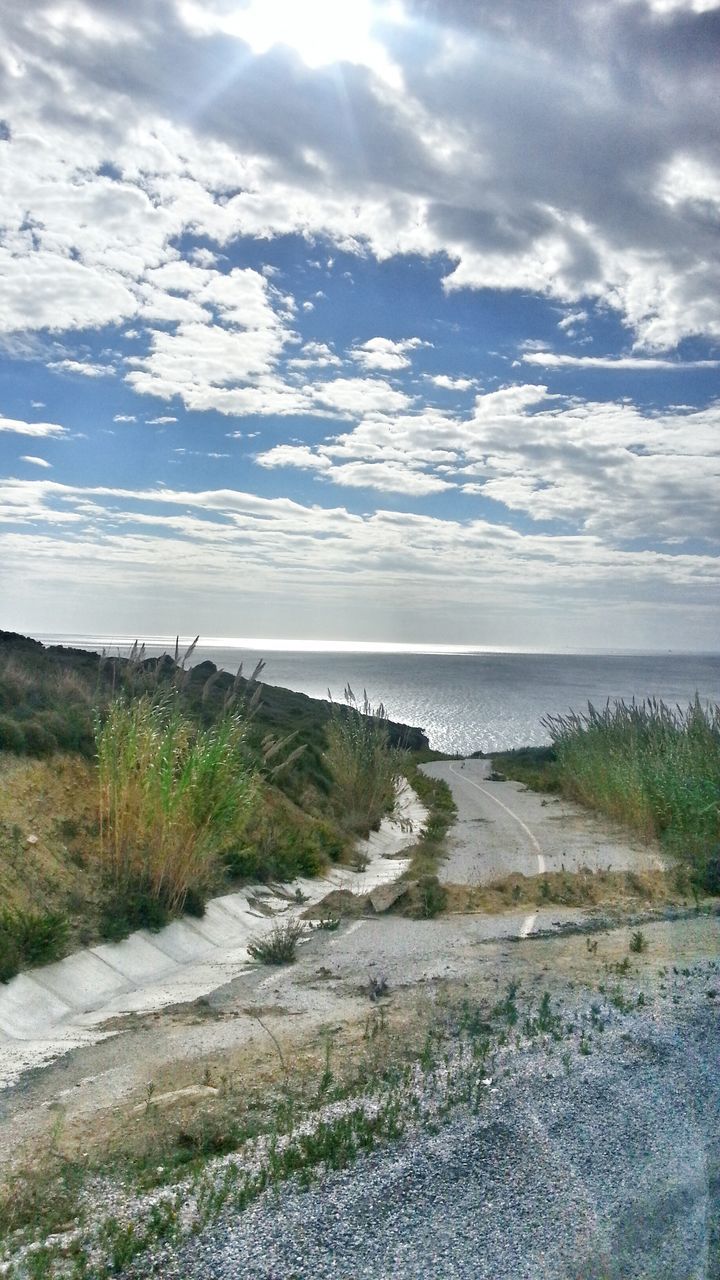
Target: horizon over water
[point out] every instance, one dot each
(466, 698)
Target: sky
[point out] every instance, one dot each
(378, 321)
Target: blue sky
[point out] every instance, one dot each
(380, 321)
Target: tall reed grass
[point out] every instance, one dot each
(654, 767)
(172, 796)
(362, 763)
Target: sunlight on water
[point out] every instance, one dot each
(465, 700)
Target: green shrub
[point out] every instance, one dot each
(363, 765)
(431, 897)
(173, 797)
(650, 766)
(39, 741)
(132, 906)
(30, 938)
(278, 946)
(12, 737)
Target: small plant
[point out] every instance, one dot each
(638, 942)
(28, 938)
(377, 987)
(330, 922)
(432, 897)
(278, 946)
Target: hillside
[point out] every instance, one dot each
(57, 886)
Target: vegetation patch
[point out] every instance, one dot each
(363, 763)
(652, 767)
(279, 944)
(429, 851)
(624, 890)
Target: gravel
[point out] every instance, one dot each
(599, 1165)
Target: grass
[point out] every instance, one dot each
(429, 851)
(172, 797)
(28, 938)
(654, 768)
(279, 945)
(362, 762)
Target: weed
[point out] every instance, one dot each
(638, 942)
(278, 946)
(171, 796)
(329, 922)
(650, 766)
(431, 897)
(30, 938)
(362, 763)
(377, 986)
(507, 1008)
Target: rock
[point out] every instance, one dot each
(386, 895)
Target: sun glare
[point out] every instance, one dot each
(320, 31)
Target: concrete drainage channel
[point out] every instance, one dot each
(51, 1010)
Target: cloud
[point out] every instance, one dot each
(32, 428)
(37, 462)
(85, 368)
(601, 468)
(350, 397)
(125, 417)
(448, 155)
(553, 360)
(148, 542)
(451, 384)
(155, 422)
(384, 354)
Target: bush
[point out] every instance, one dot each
(363, 765)
(131, 907)
(173, 797)
(29, 938)
(431, 897)
(648, 765)
(279, 945)
(39, 741)
(12, 737)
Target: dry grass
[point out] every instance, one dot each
(54, 802)
(172, 797)
(362, 763)
(615, 889)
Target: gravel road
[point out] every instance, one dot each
(502, 827)
(580, 1166)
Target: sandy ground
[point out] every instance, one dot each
(502, 827)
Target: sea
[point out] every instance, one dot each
(465, 699)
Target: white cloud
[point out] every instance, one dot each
(86, 368)
(151, 542)
(351, 397)
(156, 422)
(384, 354)
(125, 417)
(37, 462)
(553, 360)
(572, 319)
(32, 428)
(451, 384)
(604, 468)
